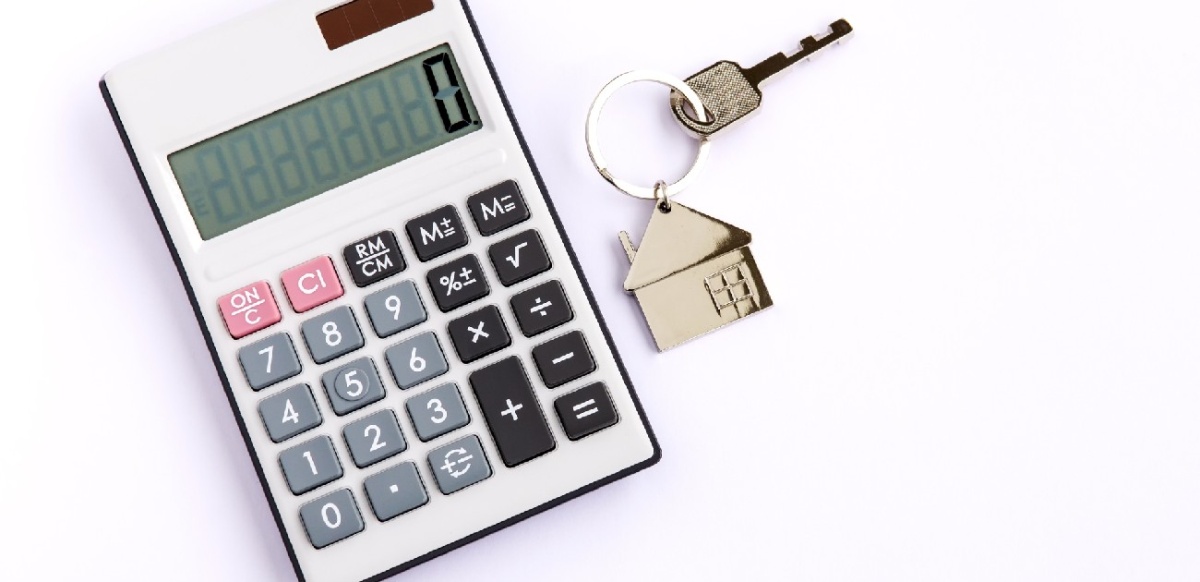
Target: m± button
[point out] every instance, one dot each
(498, 208)
(437, 233)
(512, 412)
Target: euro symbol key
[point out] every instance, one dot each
(455, 458)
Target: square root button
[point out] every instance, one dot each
(249, 309)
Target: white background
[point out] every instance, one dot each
(979, 225)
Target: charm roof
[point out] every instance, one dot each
(678, 240)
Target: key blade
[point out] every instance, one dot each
(838, 31)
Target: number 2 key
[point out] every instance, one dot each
(730, 92)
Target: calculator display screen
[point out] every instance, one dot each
(326, 141)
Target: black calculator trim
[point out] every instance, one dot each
(587, 289)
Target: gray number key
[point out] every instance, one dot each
(395, 309)
(374, 438)
(459, 464)
(353, 386)
(437, 412)
(289, 413)
(310, 464)
(416, 360)
(332, 335)
(331, 518)
(395, 491)
(270, 361)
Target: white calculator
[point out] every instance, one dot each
(405, 337)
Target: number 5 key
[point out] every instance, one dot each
(730, 92)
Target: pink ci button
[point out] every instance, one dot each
(249, 309)
(311, 284)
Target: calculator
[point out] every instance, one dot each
(404, 334)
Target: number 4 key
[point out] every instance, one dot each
(730, 92)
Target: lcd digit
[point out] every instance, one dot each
(326, 141)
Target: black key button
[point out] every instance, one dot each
(374, 258)
(457, 283)
(586, 411)
(563, 359)
(479, 334)
(519, 258)
(542, 308)
(437, 233)
(512, 412)
(498, 208)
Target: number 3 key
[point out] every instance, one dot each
(730, 92)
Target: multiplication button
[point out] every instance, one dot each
(374, 258)
(542, 308)
(457, 283)
(437, 233)
(479, 334)
(498, 208)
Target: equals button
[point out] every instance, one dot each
(586, 411)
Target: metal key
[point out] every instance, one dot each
(730, 92)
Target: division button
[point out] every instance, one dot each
(374, 258)
(563, 359)
(519, 258)
(479, 334)
(395, 491)
(512, 411)
(498, 208)
(459, 464)
(331, 518)
(458, 283)
(437, 233)
(585, 411)
(542, 308)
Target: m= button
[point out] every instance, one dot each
(498, 208)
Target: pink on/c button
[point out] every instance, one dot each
(249, 309)
(312, 284)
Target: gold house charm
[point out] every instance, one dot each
(692, 274)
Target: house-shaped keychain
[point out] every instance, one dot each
(692, 274)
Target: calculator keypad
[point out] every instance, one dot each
(457, 283)
(269, 361)
(395, 309)
(332, 335)
(312, 284)
(310, 464)
(479, 334)
(371, 435)
(353, 386)
(519, 258)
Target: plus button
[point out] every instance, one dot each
(512, 409)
